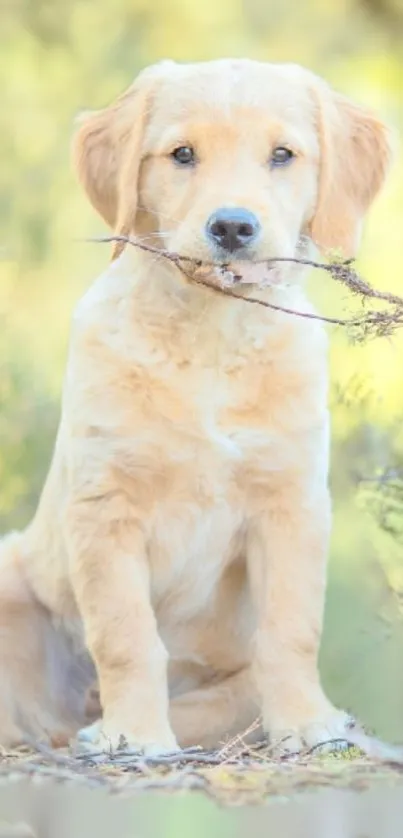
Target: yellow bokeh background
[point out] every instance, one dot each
(59, 57)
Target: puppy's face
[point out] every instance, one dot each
(231, 163)
(233, 160)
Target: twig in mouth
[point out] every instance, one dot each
(377, 322)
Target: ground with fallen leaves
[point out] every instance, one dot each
(244, 777)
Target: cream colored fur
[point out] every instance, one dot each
(178, 553)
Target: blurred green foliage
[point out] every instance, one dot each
(57, 57)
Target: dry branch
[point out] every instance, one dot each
(374, 323)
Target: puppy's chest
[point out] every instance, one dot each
(238, 412)
(220, 448)
(208, 420)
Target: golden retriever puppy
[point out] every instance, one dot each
(178, 554)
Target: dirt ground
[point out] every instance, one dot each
(230, 776)
(225, 794)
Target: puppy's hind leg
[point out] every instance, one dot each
(42, 690)
(217, 712)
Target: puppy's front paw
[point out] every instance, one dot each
(327, 733)
(109, 738)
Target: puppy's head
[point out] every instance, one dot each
(233, 160)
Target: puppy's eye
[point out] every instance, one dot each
(281, 156)
(184, 155)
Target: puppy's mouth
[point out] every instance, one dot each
(243, 274)
(237, 274)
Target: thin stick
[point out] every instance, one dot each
(341, 271)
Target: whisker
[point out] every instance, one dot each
(157, 235)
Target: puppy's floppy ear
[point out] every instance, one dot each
(108, 146)
(355, 153)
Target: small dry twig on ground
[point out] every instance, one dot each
(374, 323)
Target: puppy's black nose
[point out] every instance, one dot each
(232, 229)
